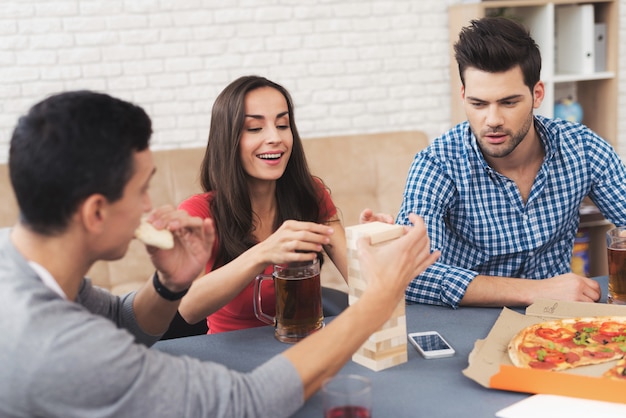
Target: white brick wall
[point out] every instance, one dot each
(351, 66)
(621, 105)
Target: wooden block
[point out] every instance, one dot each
(377, 231)
(387, 346)
(381, 364)
(381, 354)
(395, 331)
(354, 264)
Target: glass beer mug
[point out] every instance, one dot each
(616, 248)
(298, 300)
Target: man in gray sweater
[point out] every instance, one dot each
(80, 166)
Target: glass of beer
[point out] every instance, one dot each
(616, 247)
(347, 396)
(298, 300)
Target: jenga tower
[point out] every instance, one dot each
(386, 347)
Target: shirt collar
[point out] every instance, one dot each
(549, 139)
(47, 279)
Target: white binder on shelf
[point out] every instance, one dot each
(575, 39)
(600, 46)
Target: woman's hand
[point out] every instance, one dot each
(294, 241)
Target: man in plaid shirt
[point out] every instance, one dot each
(500, 192)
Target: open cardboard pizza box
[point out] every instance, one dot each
(490, 366)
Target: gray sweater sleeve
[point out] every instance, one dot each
(118, 309)
(193, 388)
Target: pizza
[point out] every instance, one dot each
(148, 234)
(572, 342)
(617, 372)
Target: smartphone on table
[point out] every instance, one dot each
(430, 344)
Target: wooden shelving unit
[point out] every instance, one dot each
(596, 91)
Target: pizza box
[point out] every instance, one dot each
(489, 364)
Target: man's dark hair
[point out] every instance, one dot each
(70, 146)
(498, 44)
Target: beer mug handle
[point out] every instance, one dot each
(258, 311)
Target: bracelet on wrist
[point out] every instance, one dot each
(164, 292)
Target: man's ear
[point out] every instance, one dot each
(539, 92)
(462, 92)
(93, 212)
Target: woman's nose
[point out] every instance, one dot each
(273, 136)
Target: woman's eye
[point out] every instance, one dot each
(253, 129)
(282, 127)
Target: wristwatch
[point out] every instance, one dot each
(164, 292)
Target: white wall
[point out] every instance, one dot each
(351, 66)
(621, 110)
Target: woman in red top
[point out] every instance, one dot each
(266, 206)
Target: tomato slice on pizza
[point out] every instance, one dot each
(612, 328)
(558, 335)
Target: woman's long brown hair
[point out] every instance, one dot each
(222, 173)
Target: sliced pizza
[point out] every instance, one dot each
(566, 343)
(149, 235)
(617, 372)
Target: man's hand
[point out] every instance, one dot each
(369, 216)
(391, 267)
(193, 242)
(509, 291)
(568, 286)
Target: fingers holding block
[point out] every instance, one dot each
(377, 231)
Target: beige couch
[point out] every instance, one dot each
(367, 170)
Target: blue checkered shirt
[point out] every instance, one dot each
(477, 217)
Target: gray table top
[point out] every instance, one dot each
(419, 387)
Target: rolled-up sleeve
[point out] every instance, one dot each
(440, 284)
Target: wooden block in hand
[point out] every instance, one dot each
(378, 232)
